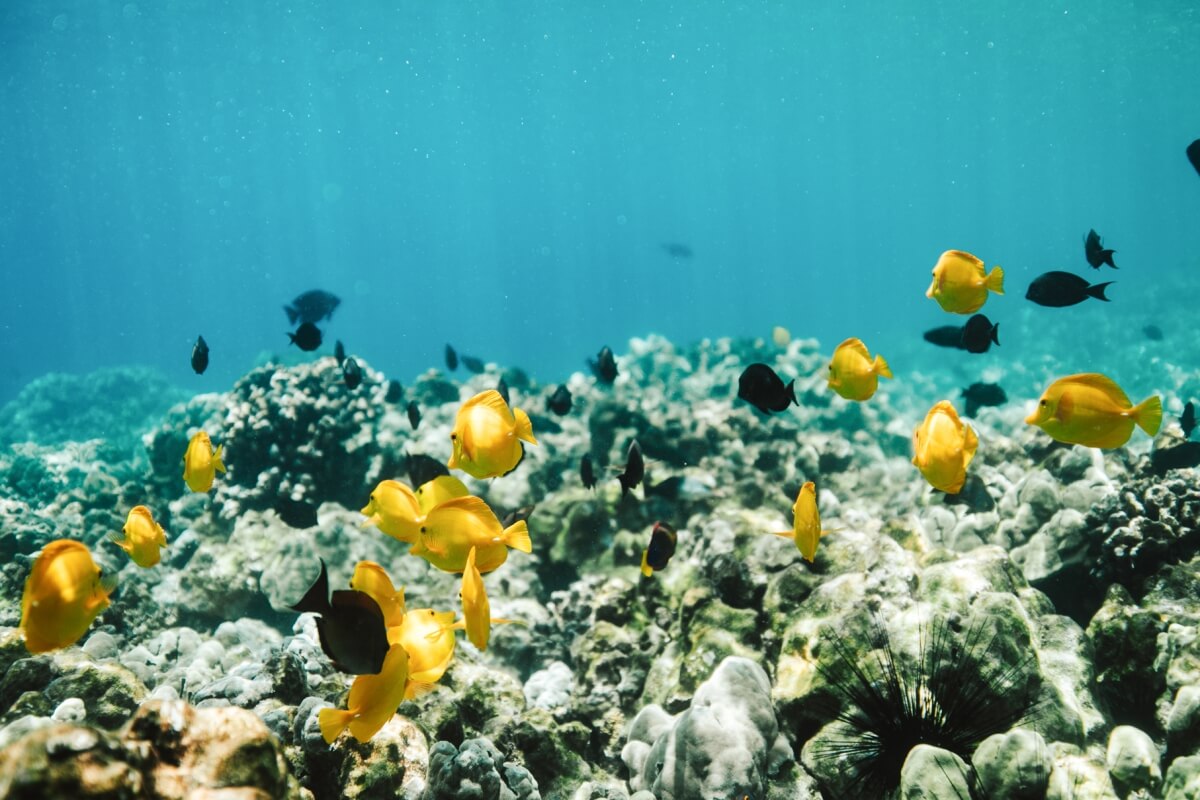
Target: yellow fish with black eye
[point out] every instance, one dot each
(372, 702)
(806, 522)
(442, 488)
(428, 636)
(394, 509)
(373, 580)
(144, 538)
(1091, 410)
(487, 436)
(201, 463)
(63, 594)
(853, 374)
(943, 447)
(454, 526)
(961, 283)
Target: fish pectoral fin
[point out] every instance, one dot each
(333, 722)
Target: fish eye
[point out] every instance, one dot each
(453, 437)
(422, 529)
(1042, 403)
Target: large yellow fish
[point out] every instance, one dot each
(943, 448)
(394, 509)
(487, 436)
(373, 699)
(442, 488)
(201, 463)
(477, 611)
(371, 579)
(960, 284)
(144, 538)
(806, 522)
(428, 636)
(63, 594)
(852, 372)
(1091, 410)
(454, 526)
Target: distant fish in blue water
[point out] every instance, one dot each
(1059, 289)
(946, 336)
(414, 414)
(762, 388)
(605, 365)
(1095, 253)
(307, 337)
(979, 334)
(312, 306)
(587, 473)
(502, 389)
(473, 364)
(395, 392)
(1193, 154)
(560, 401)
(1181, 456)
(635, 468)
(1153, 333)
(451, 358)
(677, 250)
(200, 355)
(339, 352)
(351, 373)
(983, 394)
(660, 549)
(1188, 421)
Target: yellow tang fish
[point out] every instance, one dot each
(852, 372)
(477, 611)
(442, 488)
(371, 579)
(428, 636)
(487, 436)
(64, 592)
(806, 522)
(943, 448)
(144, 537)
(960, 284)
(455, 526)
(201, 463)
(393, 508)
(1091, 410)
(372, 702)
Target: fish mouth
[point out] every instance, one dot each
(1032, 419)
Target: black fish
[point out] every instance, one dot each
(946, 336)
(1188, 420)
(974, 495)
(1153, 333)
(1096, 255)
(296, 513)
(414, 414)
(605, 365)
(983, 394)
(662, 547)
(677, 250)
(560, 401)
(312, 306)
(1193, 154)
(1059, 289)
(513, 517)
(502, 389)
(586, 473)
(472, 363)
(451, 359)
(635, 468)
(200, 355)
(395, 392)
(422, 469)
(350, 626)
(339, 352)
(668, 489)
(351, 373)
(979, 334)
(762, 388)
(1181, 456)
(307, 337)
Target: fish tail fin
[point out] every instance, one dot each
(292, 314)
(881, 367)
(524, 429)
(316, 599)
(790, 392)
(996, 334)
(625, 484)
(1097, 291)
(218, 464)
(646, 564)
(995, 280)
(333, 721)
(516, 536)
(1106, 258)
(1148, 414)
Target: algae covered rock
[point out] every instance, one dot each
(1014, 765)
(476, 771)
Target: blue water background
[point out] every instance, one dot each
(501, 175)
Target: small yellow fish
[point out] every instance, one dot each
(394, 509)
(1091, 410)
(372, 702)
(438, 490)
(201, 463)
(806, 522)
(960, 284)
(428, 636)
(454, 526)
(477, 611)
(64, 592)
(943, 448)
(144, 538)
(371, 579)
(852, 372)
(487, 436)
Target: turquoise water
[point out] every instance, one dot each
(502, 176)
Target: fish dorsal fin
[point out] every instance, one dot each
(316, 599)
(963, 255)
(1102, 383)
(491, 399)
(855, 345)
(470, 505)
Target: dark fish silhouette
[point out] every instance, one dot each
(422, 469)
(472, 363)
(1181, 456)
(635, 468)
(515, 516)
(660, 549)
(677, 250)
(759, 386)
(974, 495)
(502, 388)
(560, 401)
(1193, 155)
(200, 355)
(605, 365)
(983, 394)
(312, 306)
(1188, 420)
(1096, 255)
(979, 334)
(414, 414)
(339, 352)
(350, 626)
(668, 488)
(296, 513)
(586, 473)
(1059, 289)
(946, 336)
(351, 373)
(395, 392)
(1153, 333)
(307, 337)
(451, 359)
